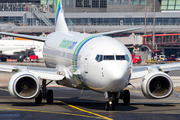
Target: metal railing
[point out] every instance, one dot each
(24, 7)
(39, 15)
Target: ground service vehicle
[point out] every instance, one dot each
(33, 58)
(172, 57)
(161, 58)
(136, 59)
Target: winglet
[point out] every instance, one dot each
(60, 22)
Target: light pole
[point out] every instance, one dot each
(145, 19)
(154, 27)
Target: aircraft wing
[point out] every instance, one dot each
(141, 71)
(118, 31)
(39, 72)
(36, 38)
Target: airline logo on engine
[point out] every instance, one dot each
(67, 44)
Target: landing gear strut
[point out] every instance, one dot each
(114, 99)
(21, 57)
(44, 94)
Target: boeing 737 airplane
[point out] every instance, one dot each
(86, 61)
(19, 49)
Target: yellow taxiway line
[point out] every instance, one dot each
(103, 117)
(72, 106)
(27, 110)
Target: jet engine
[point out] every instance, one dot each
(157, 85)
(24, 85)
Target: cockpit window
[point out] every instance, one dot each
(127, 58)
(108, 57)
(99, 58)
(120, 57)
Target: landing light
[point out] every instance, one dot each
(59, 73)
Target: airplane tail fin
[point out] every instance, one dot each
(60, 23)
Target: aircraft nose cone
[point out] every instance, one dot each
(117, 76)
(116, 70)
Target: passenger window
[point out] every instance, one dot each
(120, 57)
(108, 57)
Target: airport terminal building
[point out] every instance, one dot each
(89, 15)
(27, 16)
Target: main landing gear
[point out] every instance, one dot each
(114, 99)
(44, 94)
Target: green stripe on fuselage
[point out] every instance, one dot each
(76, 52)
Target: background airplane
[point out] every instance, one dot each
(86, 61)
(19, 49)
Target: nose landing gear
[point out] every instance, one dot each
(110, 104)
(114, 99)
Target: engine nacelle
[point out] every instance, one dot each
(157, 85)
(24, 85)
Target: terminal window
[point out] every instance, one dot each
(95, 3)
(69, 3)
(134, 2)
(117, 2)
(103, 3)
(114, 21)
(110, 2)
(86, 3)
(79, 3)
(171, 2)
(49, 2)
(43, 2)
(125, 2)
(178, 2)
(170, 5)
(164, 2)
(177, 5)
(142, 2)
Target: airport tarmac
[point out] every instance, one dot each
(74, 104)
(80, 104)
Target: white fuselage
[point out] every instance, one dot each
(10, 47)
(84, 56)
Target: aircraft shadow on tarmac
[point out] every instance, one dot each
(91, 104)
(25, 104)
(21, 104)
(99, 105)
(159, 105)
(94, 104)
(30, 103)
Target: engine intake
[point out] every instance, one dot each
(24, 85)
(157, 85)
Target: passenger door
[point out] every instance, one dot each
(86, 62)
